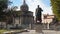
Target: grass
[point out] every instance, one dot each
(2, 30)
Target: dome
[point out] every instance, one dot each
(24, 7)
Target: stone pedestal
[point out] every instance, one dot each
(38, 28)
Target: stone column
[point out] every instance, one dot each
(47, 25)
(13, 20)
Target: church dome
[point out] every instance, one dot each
(24, 7)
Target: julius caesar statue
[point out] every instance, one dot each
(38, 15)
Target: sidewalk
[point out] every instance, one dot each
(51, 32)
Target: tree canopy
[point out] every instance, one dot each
(3, 5)
(56, 8)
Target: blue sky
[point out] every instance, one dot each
(44, 4)
(17, 2)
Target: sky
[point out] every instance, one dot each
(44, 4)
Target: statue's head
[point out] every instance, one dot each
(38, 6)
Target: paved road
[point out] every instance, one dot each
(44, 32)
(51, 32)
(31, 32)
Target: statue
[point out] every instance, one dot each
(38, 14)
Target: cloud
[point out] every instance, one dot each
(33, 5)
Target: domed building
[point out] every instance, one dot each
(24, 16)
(24, 7)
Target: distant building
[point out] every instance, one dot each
(47, 18)
(24, 16)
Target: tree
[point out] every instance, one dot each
(56, 8)
(3, 5)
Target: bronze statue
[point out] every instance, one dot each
(38, 14)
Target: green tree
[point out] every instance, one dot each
(56, 8)
(3, 5)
